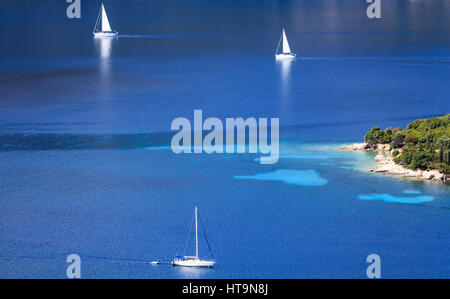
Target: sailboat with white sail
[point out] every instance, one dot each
(102, 27)
(285, 52)
(194, 261)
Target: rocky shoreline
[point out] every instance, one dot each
(384, 163)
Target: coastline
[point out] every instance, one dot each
(384, 163)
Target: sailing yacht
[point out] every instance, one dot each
(194, 261)
(102, 27)
(285, 49)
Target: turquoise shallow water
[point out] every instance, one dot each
(398, 199)
(116, 208)
(289, 176)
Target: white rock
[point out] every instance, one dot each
(354, 147)
(388, 166)
(383, 147)
(384, 163)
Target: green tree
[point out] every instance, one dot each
(373, 137)
(398, 140)
(425, 143)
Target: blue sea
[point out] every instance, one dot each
(85, 160)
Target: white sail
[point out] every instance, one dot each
(286, 48)
(105, 23)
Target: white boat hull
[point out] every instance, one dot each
(193, 263)
(194, 260)
(106, 34)
(285, 56)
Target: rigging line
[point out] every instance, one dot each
(98, 18)
(188, 236)
(279, 44)
(204, 233)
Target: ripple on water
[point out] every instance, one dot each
(289, 176)
(412, 192)
(398, 199)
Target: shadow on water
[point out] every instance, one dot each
(50, 141)
(39, 142)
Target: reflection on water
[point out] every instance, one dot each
(105, 47)
(104, 50)
(193, 272)
(285, 74)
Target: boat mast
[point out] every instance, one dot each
(196, 234)
(279, 42)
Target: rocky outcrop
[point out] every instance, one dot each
(355, 147)
(383, 147)
(384, 163)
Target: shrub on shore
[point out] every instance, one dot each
(377, 135)
(425, 143)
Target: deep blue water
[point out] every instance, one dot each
(85, 128)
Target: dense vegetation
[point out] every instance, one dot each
(424, 144)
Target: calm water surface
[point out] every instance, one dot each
(85, 129)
